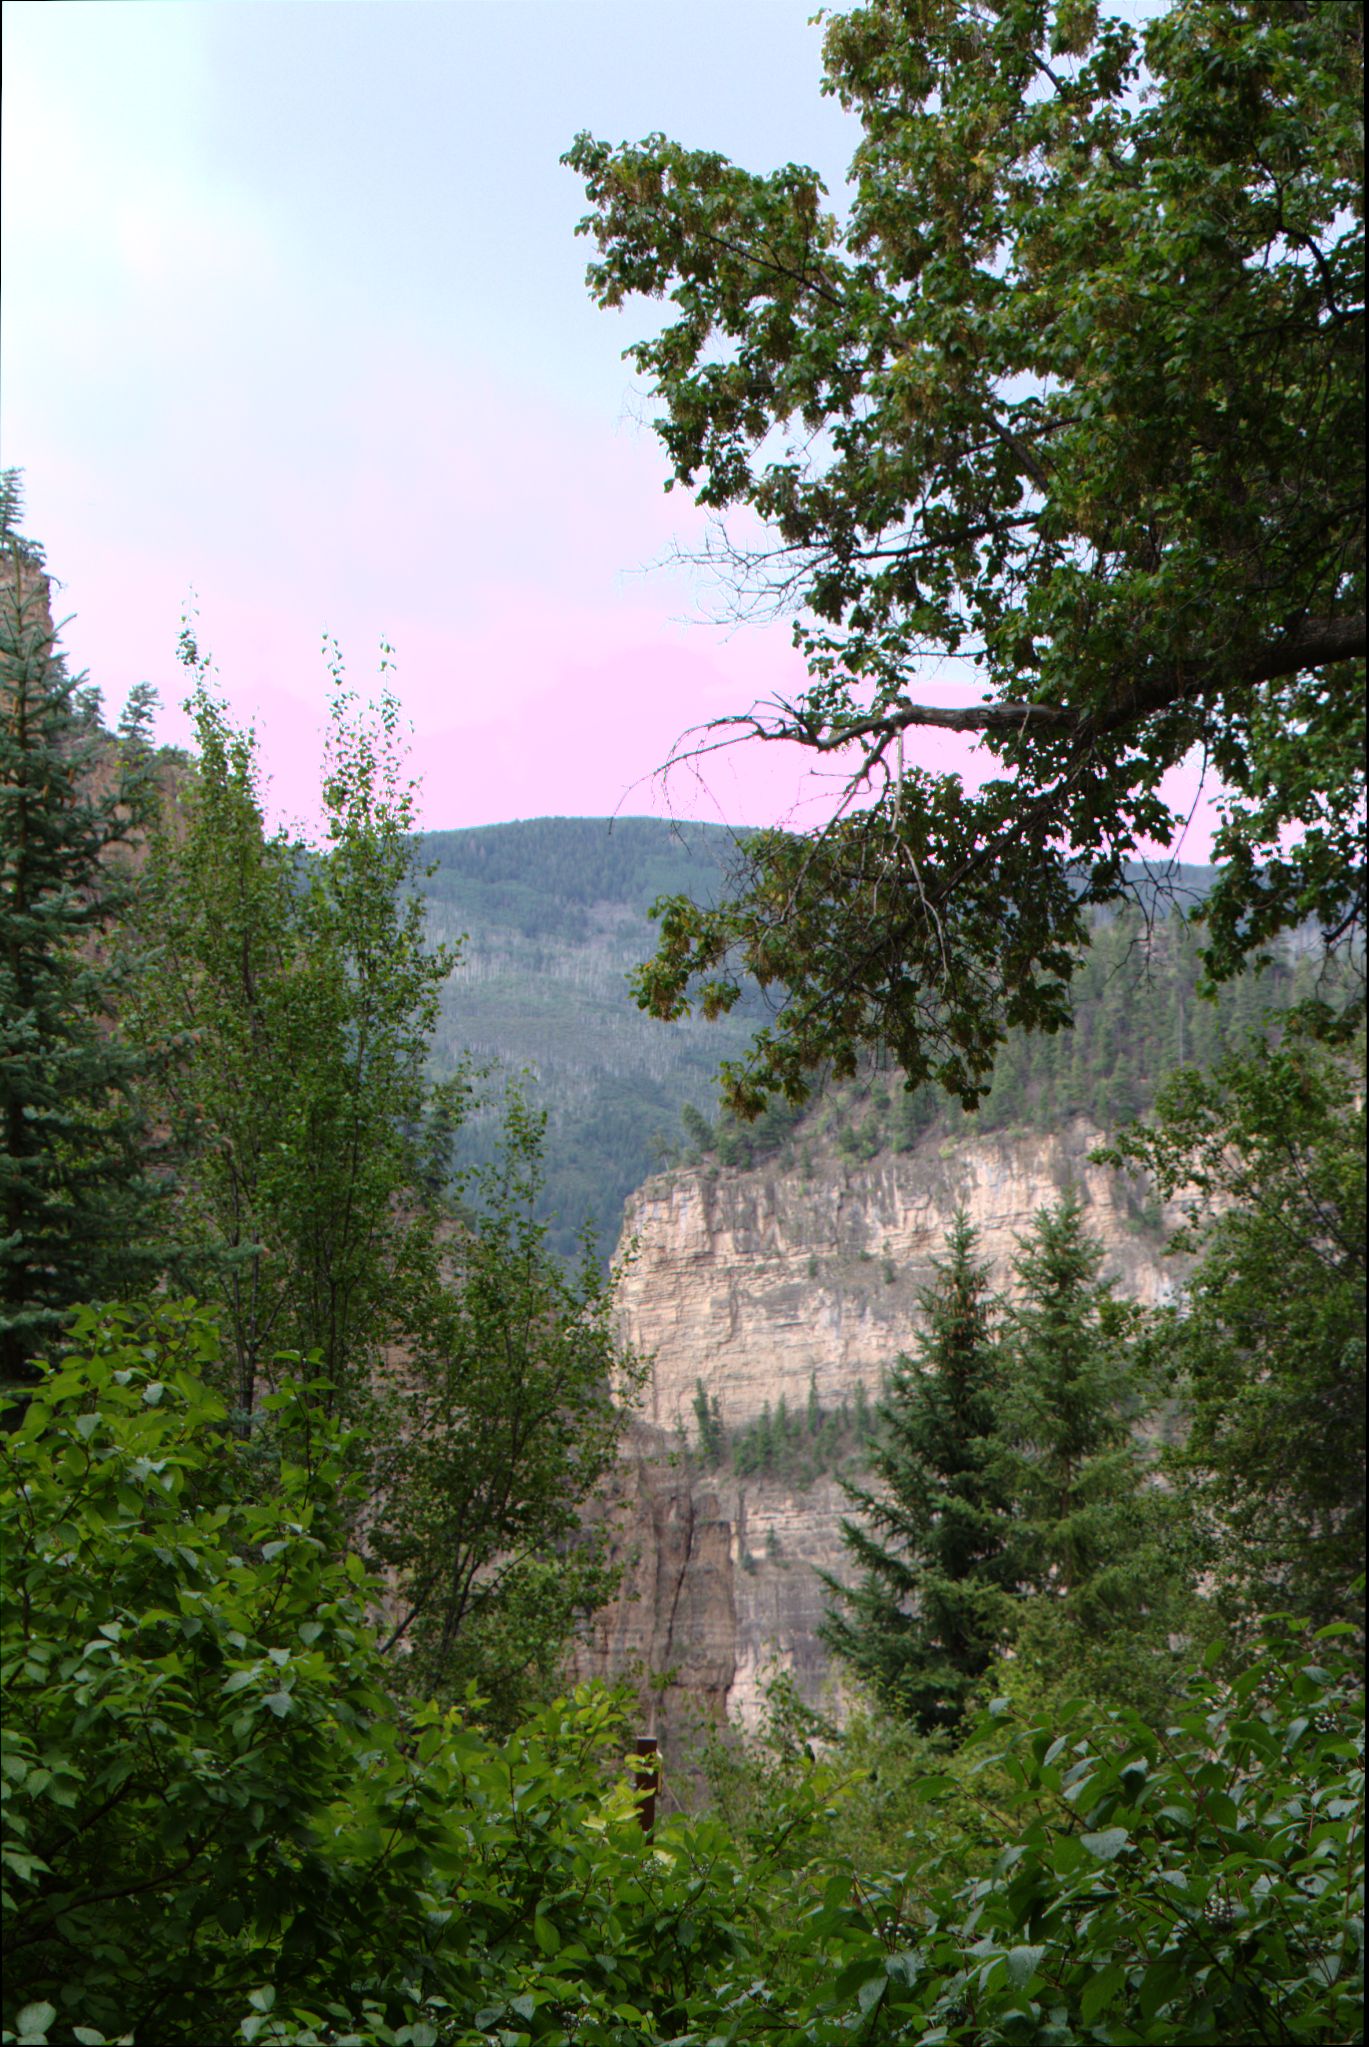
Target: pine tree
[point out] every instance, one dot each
(1101, 1551)
(929, 1612)
(78, 1201)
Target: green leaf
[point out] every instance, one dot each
(545, 1934)
(871, 1991)
(1100, 1990)
(1107, 1844)
(263, 1999)
(34, 2020)
(1023, 1963)
(280, 1703)
(932, 1787)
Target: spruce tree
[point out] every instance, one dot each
(1101, 1552)
(78, 1200)
(929, 1612)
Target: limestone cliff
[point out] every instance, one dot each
(757, 1283)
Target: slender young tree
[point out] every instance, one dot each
(482, 1379)
(930, 1610)
(80, 1205)
(301, 982)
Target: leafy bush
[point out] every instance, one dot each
(1089, 1880)
(1204, 1882)
(217, 1826)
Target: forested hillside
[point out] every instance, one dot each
(551, 917)
(1141, 1008)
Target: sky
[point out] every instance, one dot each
(295, 333)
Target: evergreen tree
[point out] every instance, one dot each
(1099, 1550)
(930, 1610)
(708, 1418)
(78, 1199)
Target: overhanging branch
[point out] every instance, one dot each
(1313, 645)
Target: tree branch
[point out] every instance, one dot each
(1313, 645)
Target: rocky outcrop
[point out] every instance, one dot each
(756, 1283)
(721, 1590)
(675, 1612)
(759, 1284)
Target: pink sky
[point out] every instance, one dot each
(295, 318)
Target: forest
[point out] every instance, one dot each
(302, 1402)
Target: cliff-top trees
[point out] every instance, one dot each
(78, 1198)
(1074, 391)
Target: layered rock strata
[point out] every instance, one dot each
(758, 1285)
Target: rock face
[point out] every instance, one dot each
(759, 1284)
(720, 1591)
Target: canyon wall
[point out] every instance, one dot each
(758, 1284)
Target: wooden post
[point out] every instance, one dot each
(646, 1778)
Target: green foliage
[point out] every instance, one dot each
(1139, 1006)
(1202, 1881)
(1087, 1877)
(1103, 1560)
(187, 1671)
(217, 1827)
(1266, 1155)
(79, 1198)
(1009, 1502)
(1072, 388)
(782, 1444)
(709, 1425)
(303, 993)
(506, 1419)
(930, 1608)
(317, 1187)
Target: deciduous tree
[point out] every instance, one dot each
(1266, 1155)
(299, 982)
(1072, 390)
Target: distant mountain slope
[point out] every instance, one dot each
(555, 916)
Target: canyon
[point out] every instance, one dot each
(794, 1279)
